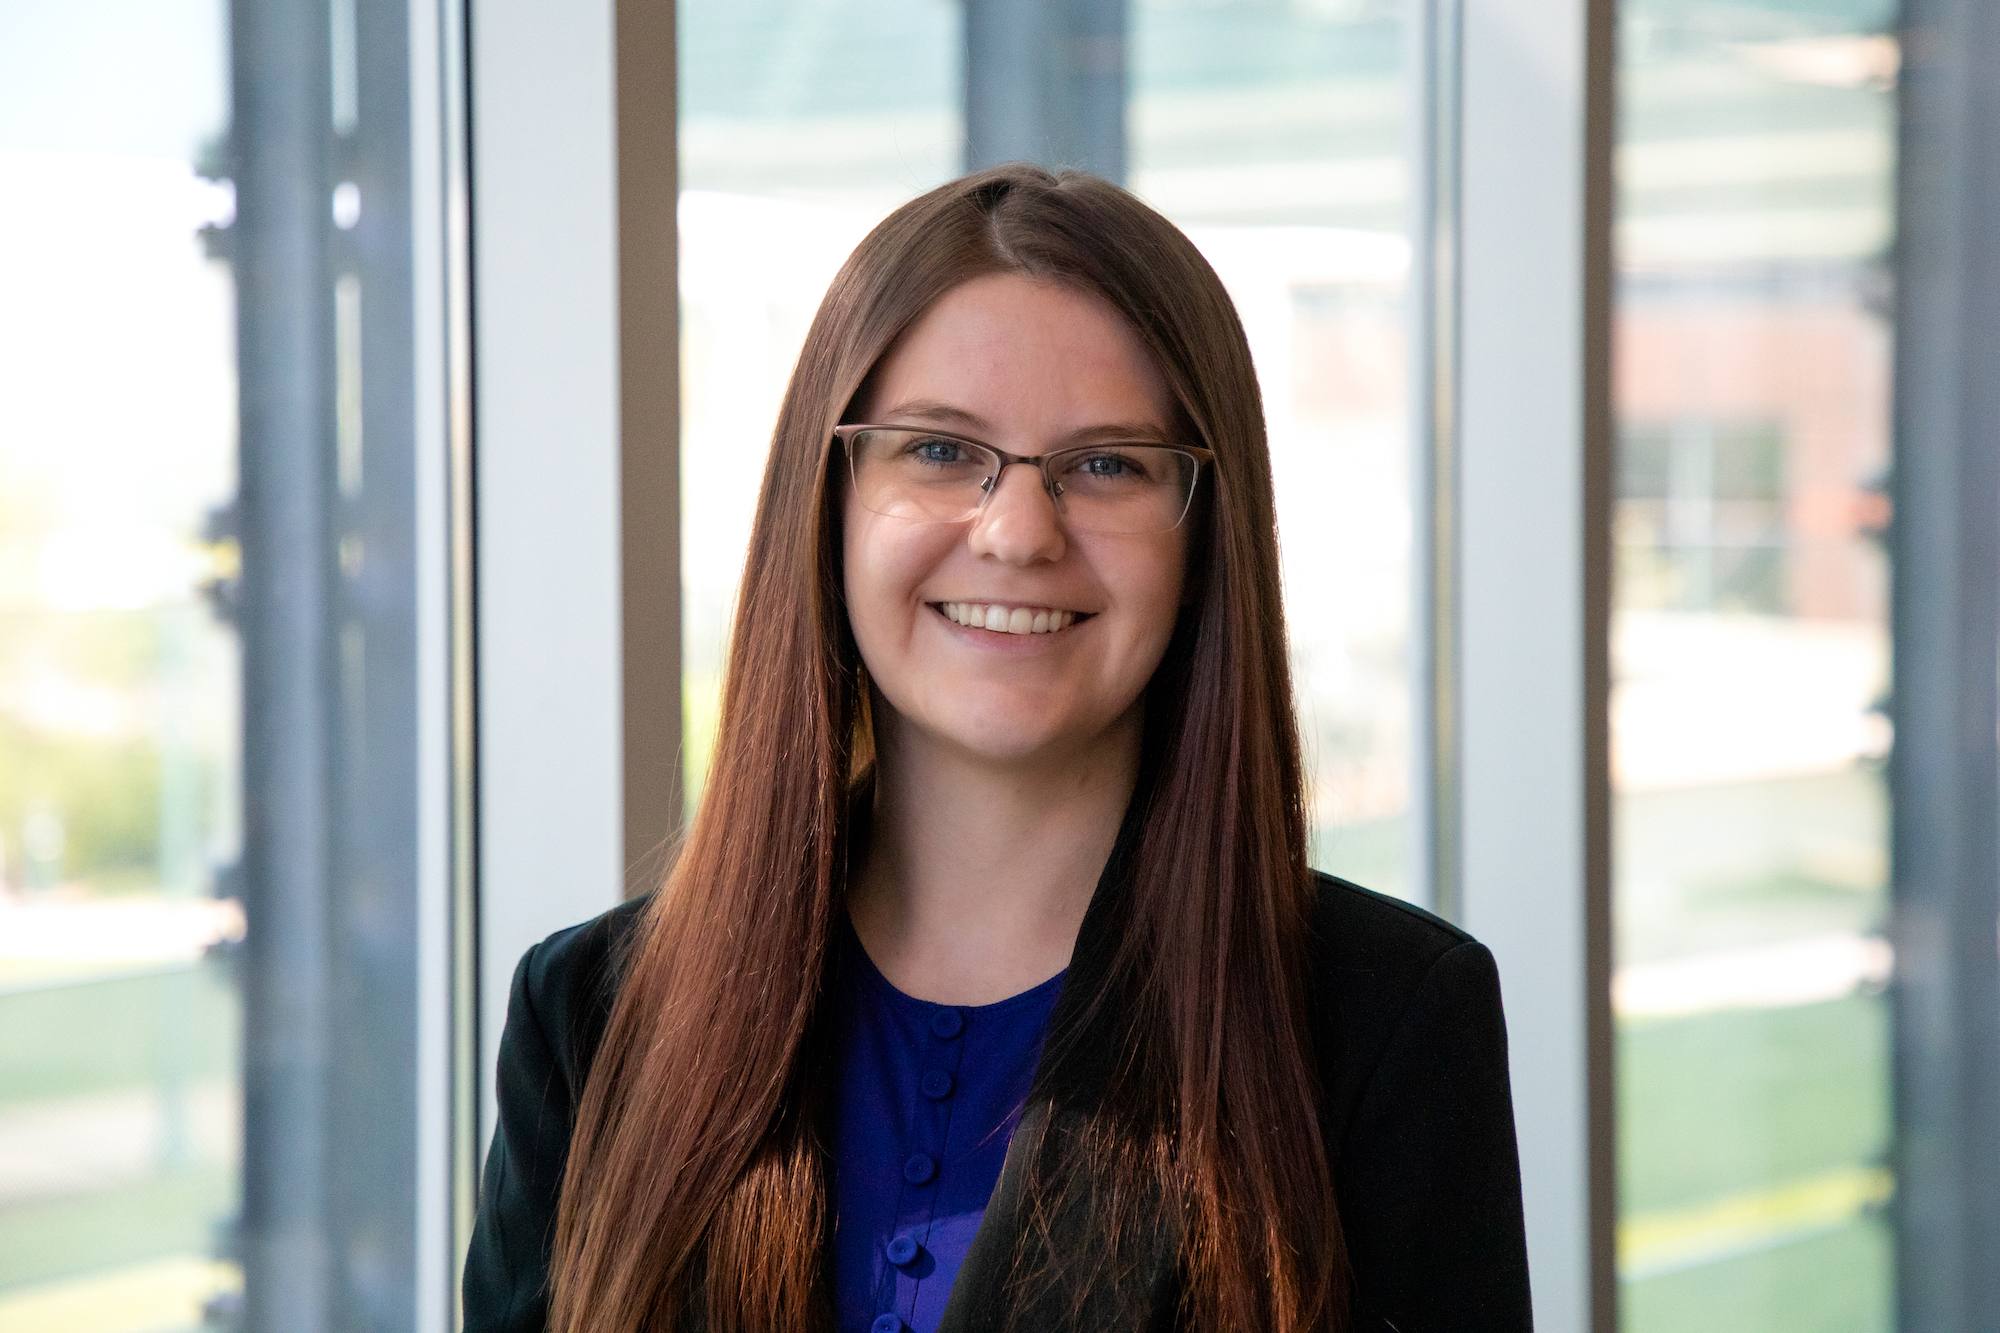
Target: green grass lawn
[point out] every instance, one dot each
(1730, 1104)
(73, 1041)
(63, 1041)
(1839, 1282)
(175, 1212)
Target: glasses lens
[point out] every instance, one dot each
(918, 475)
(1123, 488)
(932, 478)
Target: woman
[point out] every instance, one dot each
(991, 989)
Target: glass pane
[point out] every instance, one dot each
(803, 122)
(119, 1092)
(1274, 134)
(1750, 651)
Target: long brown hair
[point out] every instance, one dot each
(697, 1175)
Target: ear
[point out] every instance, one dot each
(861, 754)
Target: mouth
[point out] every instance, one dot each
(1001, 618)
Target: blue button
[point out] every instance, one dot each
(886, 1323)
(919, 1169)
(947, 1023)
(936, 1085)
(903, 1251)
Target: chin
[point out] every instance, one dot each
(1024, 733)
(1006, 745)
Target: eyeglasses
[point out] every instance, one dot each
(928, 476)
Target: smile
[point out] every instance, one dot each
(1003, 619)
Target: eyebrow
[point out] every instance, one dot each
(937, 414)
(933, 412)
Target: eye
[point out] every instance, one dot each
(1108, 466)
(935, 450)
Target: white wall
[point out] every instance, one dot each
(545, 283)
(1523, 623)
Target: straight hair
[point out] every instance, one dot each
(697, 1180)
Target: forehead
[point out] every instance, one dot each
(1026, 356)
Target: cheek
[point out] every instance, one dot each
(1158, 583)
(882, 563)
(864, 581)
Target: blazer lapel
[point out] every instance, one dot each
(978, 1294)
(1138, 1290)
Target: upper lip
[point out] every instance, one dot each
(1011, 603)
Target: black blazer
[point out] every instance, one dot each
(1417, 1116)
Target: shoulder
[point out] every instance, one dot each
(556, 1014)
(1358, 928)
(1370, 952)
(1412, 1049)
(565, 986)
(577, 955)
(1375, 965)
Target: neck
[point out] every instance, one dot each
(978, 873)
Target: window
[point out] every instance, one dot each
(1700, 523)
(1750, 658)
(119, 1016)
(803, 122)
(1274, 134)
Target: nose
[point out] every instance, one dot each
(1018, 524)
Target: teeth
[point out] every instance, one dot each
(1008, 619)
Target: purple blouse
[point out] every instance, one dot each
(927, 1098)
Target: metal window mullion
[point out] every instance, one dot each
(447, 964)
(649, 427)
(327, 516)
(1046, 81)
(281, 63)
(1434, 333)
(1945, 618)
(467, 1089)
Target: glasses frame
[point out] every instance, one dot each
(1040, 462)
